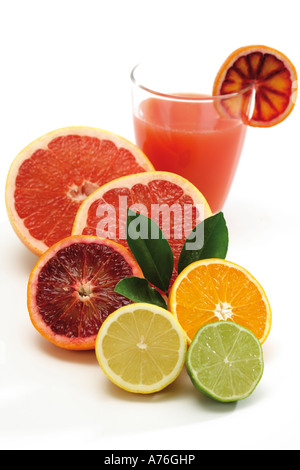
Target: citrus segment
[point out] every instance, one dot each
(51, 177)
(225, 361)
(168, 199)
(141, 348)
(215, 289)
(71, 289)
(271, 79)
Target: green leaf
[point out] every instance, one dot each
(209, 239)
(139, 290)
(151, 249)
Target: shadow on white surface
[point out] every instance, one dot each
(14, 253)
(53, 352)
(181, 388)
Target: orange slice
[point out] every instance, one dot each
(51, 177)
(271, 77)
(174, 203)
(71, 289)
(215, 290)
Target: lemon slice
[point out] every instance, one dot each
(141, 348)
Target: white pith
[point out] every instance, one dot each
(223, 311)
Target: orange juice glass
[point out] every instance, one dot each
(187, 133)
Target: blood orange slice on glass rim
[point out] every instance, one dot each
(265, 82)
(174, 203)
(51, 177)
(71, 289)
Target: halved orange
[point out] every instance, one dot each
(174, 203)
(71, 289)
(214, 290)
(51, 177)
(272, 81)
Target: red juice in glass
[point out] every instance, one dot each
(189, 134)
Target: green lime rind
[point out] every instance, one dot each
(225, 361)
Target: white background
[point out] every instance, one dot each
(66, 63)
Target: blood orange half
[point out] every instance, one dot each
(268, 75)
(174, 203)
(51, 177)
(71, 289)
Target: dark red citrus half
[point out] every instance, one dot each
(71, 289)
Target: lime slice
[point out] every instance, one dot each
(225, 361)
(141, 348)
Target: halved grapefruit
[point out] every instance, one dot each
(174, 203)
(71, 289)
(51, 177)
(266, 74)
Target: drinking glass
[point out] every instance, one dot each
(183, 131)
